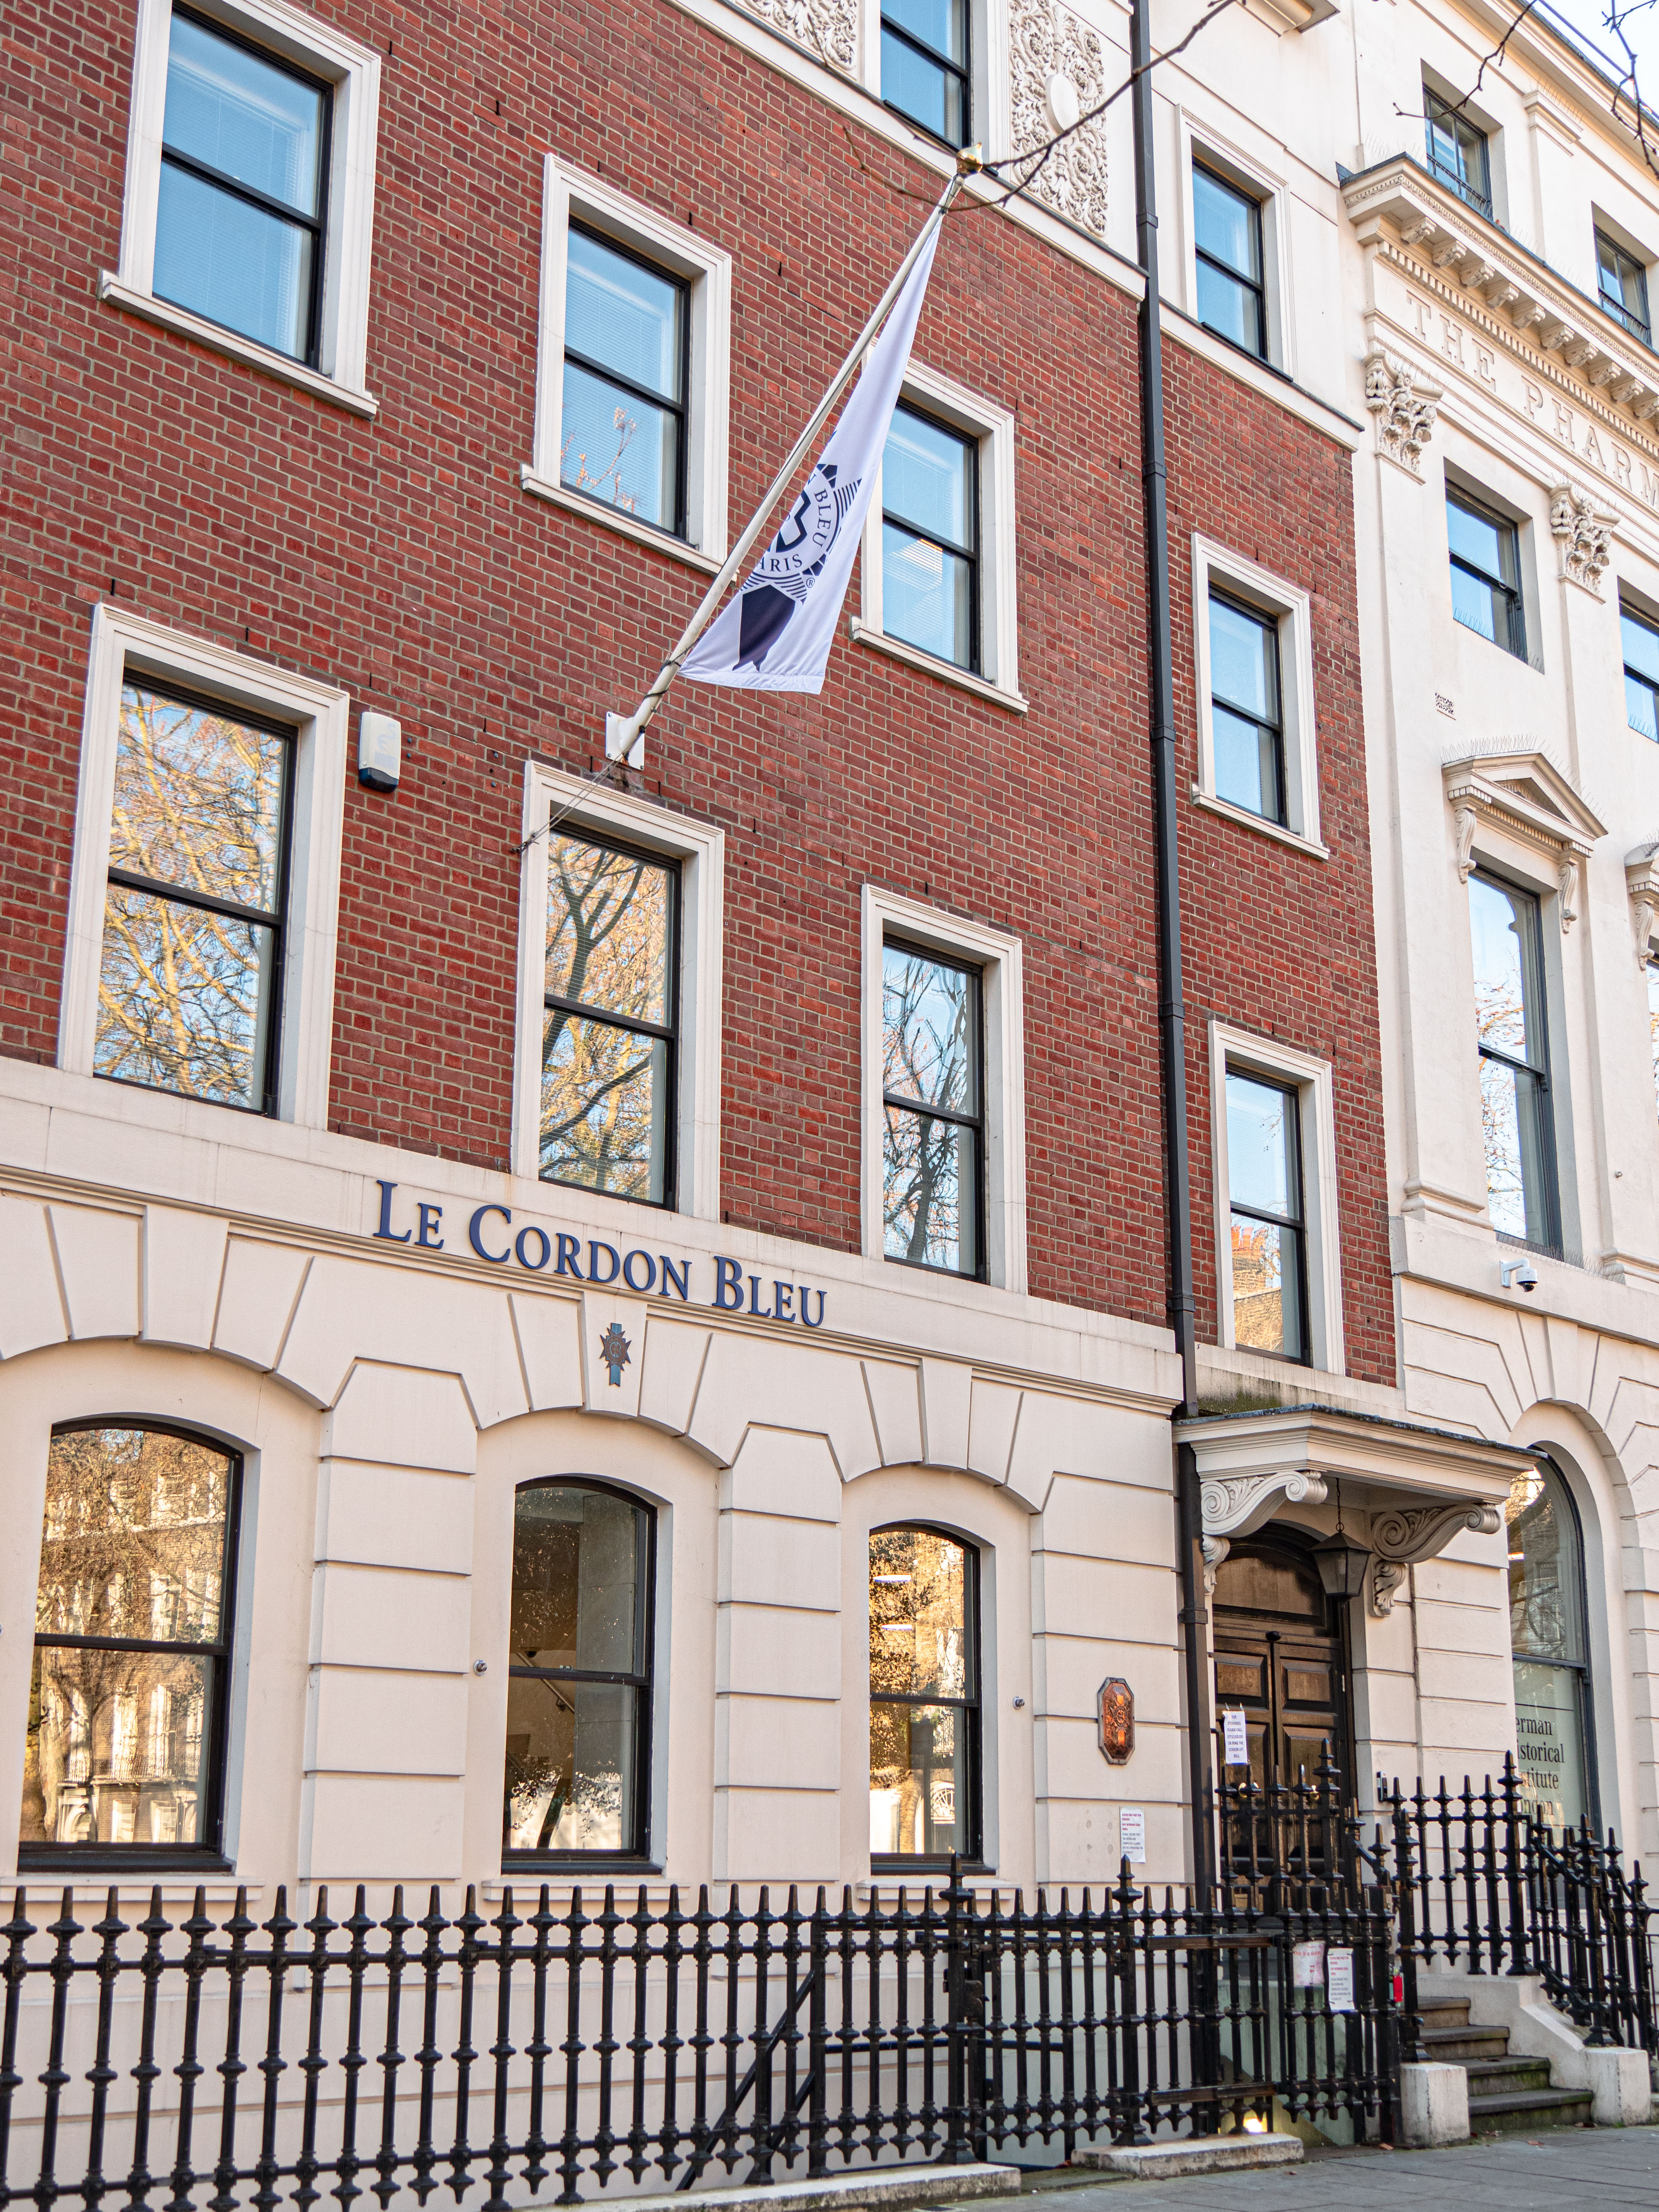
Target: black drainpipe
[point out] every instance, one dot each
(1171, 1011)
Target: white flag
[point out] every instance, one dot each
(775, 636)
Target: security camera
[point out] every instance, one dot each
(1519, 1275)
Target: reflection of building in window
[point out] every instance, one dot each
(610, 1027)
(1268, 1230)
(932, 1140)
(578, 1704)
(924, 1695)
(1623, 284)
(622, 419)
(131, 1642)
(1547, 1634)
(1514, 1061)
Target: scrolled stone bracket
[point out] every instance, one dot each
(1406, 1535)
(1238, 1505)
(1642, 881)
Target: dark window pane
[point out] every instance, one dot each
(1267, 1286)
(1623, 283)
(920, 1626)
(1546, 1574)
(930, 1178)
(1244, 660)
(608, 929)
(927, 478)
(919, 1786)
(184, 999)
(619, 448)
(572, 1756)
(926, 91)
(1262, 1149)
(118, 1746)
(1500, 923)
(928, 596)
(198, 799)
(623, 316)
(1457, 149)
(244, 116)
(1245, 763)
(929, 1031)
(1226, 225)
(604, 1107)
(233, 263)
(576, 1566)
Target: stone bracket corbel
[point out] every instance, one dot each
(1583, 532)
(1238, 1505)
(1641, 879)
(1403, 407)
(1406, 1535)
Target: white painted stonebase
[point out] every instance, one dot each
(842, 2192)
(1200, 2155)
(1434, 2105)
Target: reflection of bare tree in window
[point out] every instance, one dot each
(919, 1653)
(132, 1554)
(184, 987)
(927, 1055)
(604, 483)
(604, 1085)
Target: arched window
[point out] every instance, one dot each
(132, 1615)
(1554, 1746)
(579, 1695)
(924, 1697)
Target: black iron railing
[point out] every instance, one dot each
(554, 2051)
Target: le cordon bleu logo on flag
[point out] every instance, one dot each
(775, 636)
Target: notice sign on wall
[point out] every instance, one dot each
(1131, 1834)
(1307, 1966)
(1236, 1743)
(1339, 1980)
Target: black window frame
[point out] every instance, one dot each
(1272, 623)
(1649, 684)
(1532, 964)
(1507, 589)
(1296, 1224)
(896, 942)
(316, 224)
(1450, 115)
(668, 1033)
(180, 895)
(970, 554)
(1640, 326)
(1256, 285)
(679, 407)
(963, 71)
(637, 1856)
(208, 1856)
(1551, 1467)
(971, 1706)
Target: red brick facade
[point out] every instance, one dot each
(400, 559)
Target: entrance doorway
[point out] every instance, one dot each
(1281, 1659)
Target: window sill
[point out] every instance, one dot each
(1246, 820)
(912, 657)
(611, 518)
(183, 324)
(571, 1866)
(122, 1862)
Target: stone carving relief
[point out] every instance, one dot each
(1642, 880)
(1409, 1535)
(1584, 535)
(1239, 1505)
(1060, 74)
(827, 28)
(1404, 417)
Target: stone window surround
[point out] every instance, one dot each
(999, 959)
(122, 643)
(993, 427)
(1241, 1052)
(1292, 608)
(701, 850)
(569, 193)
(1200, 142)
(354, 72)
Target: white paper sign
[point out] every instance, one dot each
(1238, 1749)
(1131, 1834)
(1339, 1980)
(1307, 1966)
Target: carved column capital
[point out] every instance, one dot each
(1404, 417)
(1406, 1536)
(1584, 534)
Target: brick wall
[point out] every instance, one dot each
(401, 559)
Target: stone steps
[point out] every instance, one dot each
(1507, 2095)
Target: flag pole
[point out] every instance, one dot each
(623, 733)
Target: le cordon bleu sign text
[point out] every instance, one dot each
(1468, 297)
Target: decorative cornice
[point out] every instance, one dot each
(1406, 1535)
(1059, 73)
(1523, 794)
(1584, 532)
(1465, 254)
(1404, 417)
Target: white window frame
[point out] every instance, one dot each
(1291, 608)
(700, 849)
(569, 193)
(124, 645)
(1268, 189)
(354, 72)
(992, 427)
(1242, 1053)
(999, 959)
